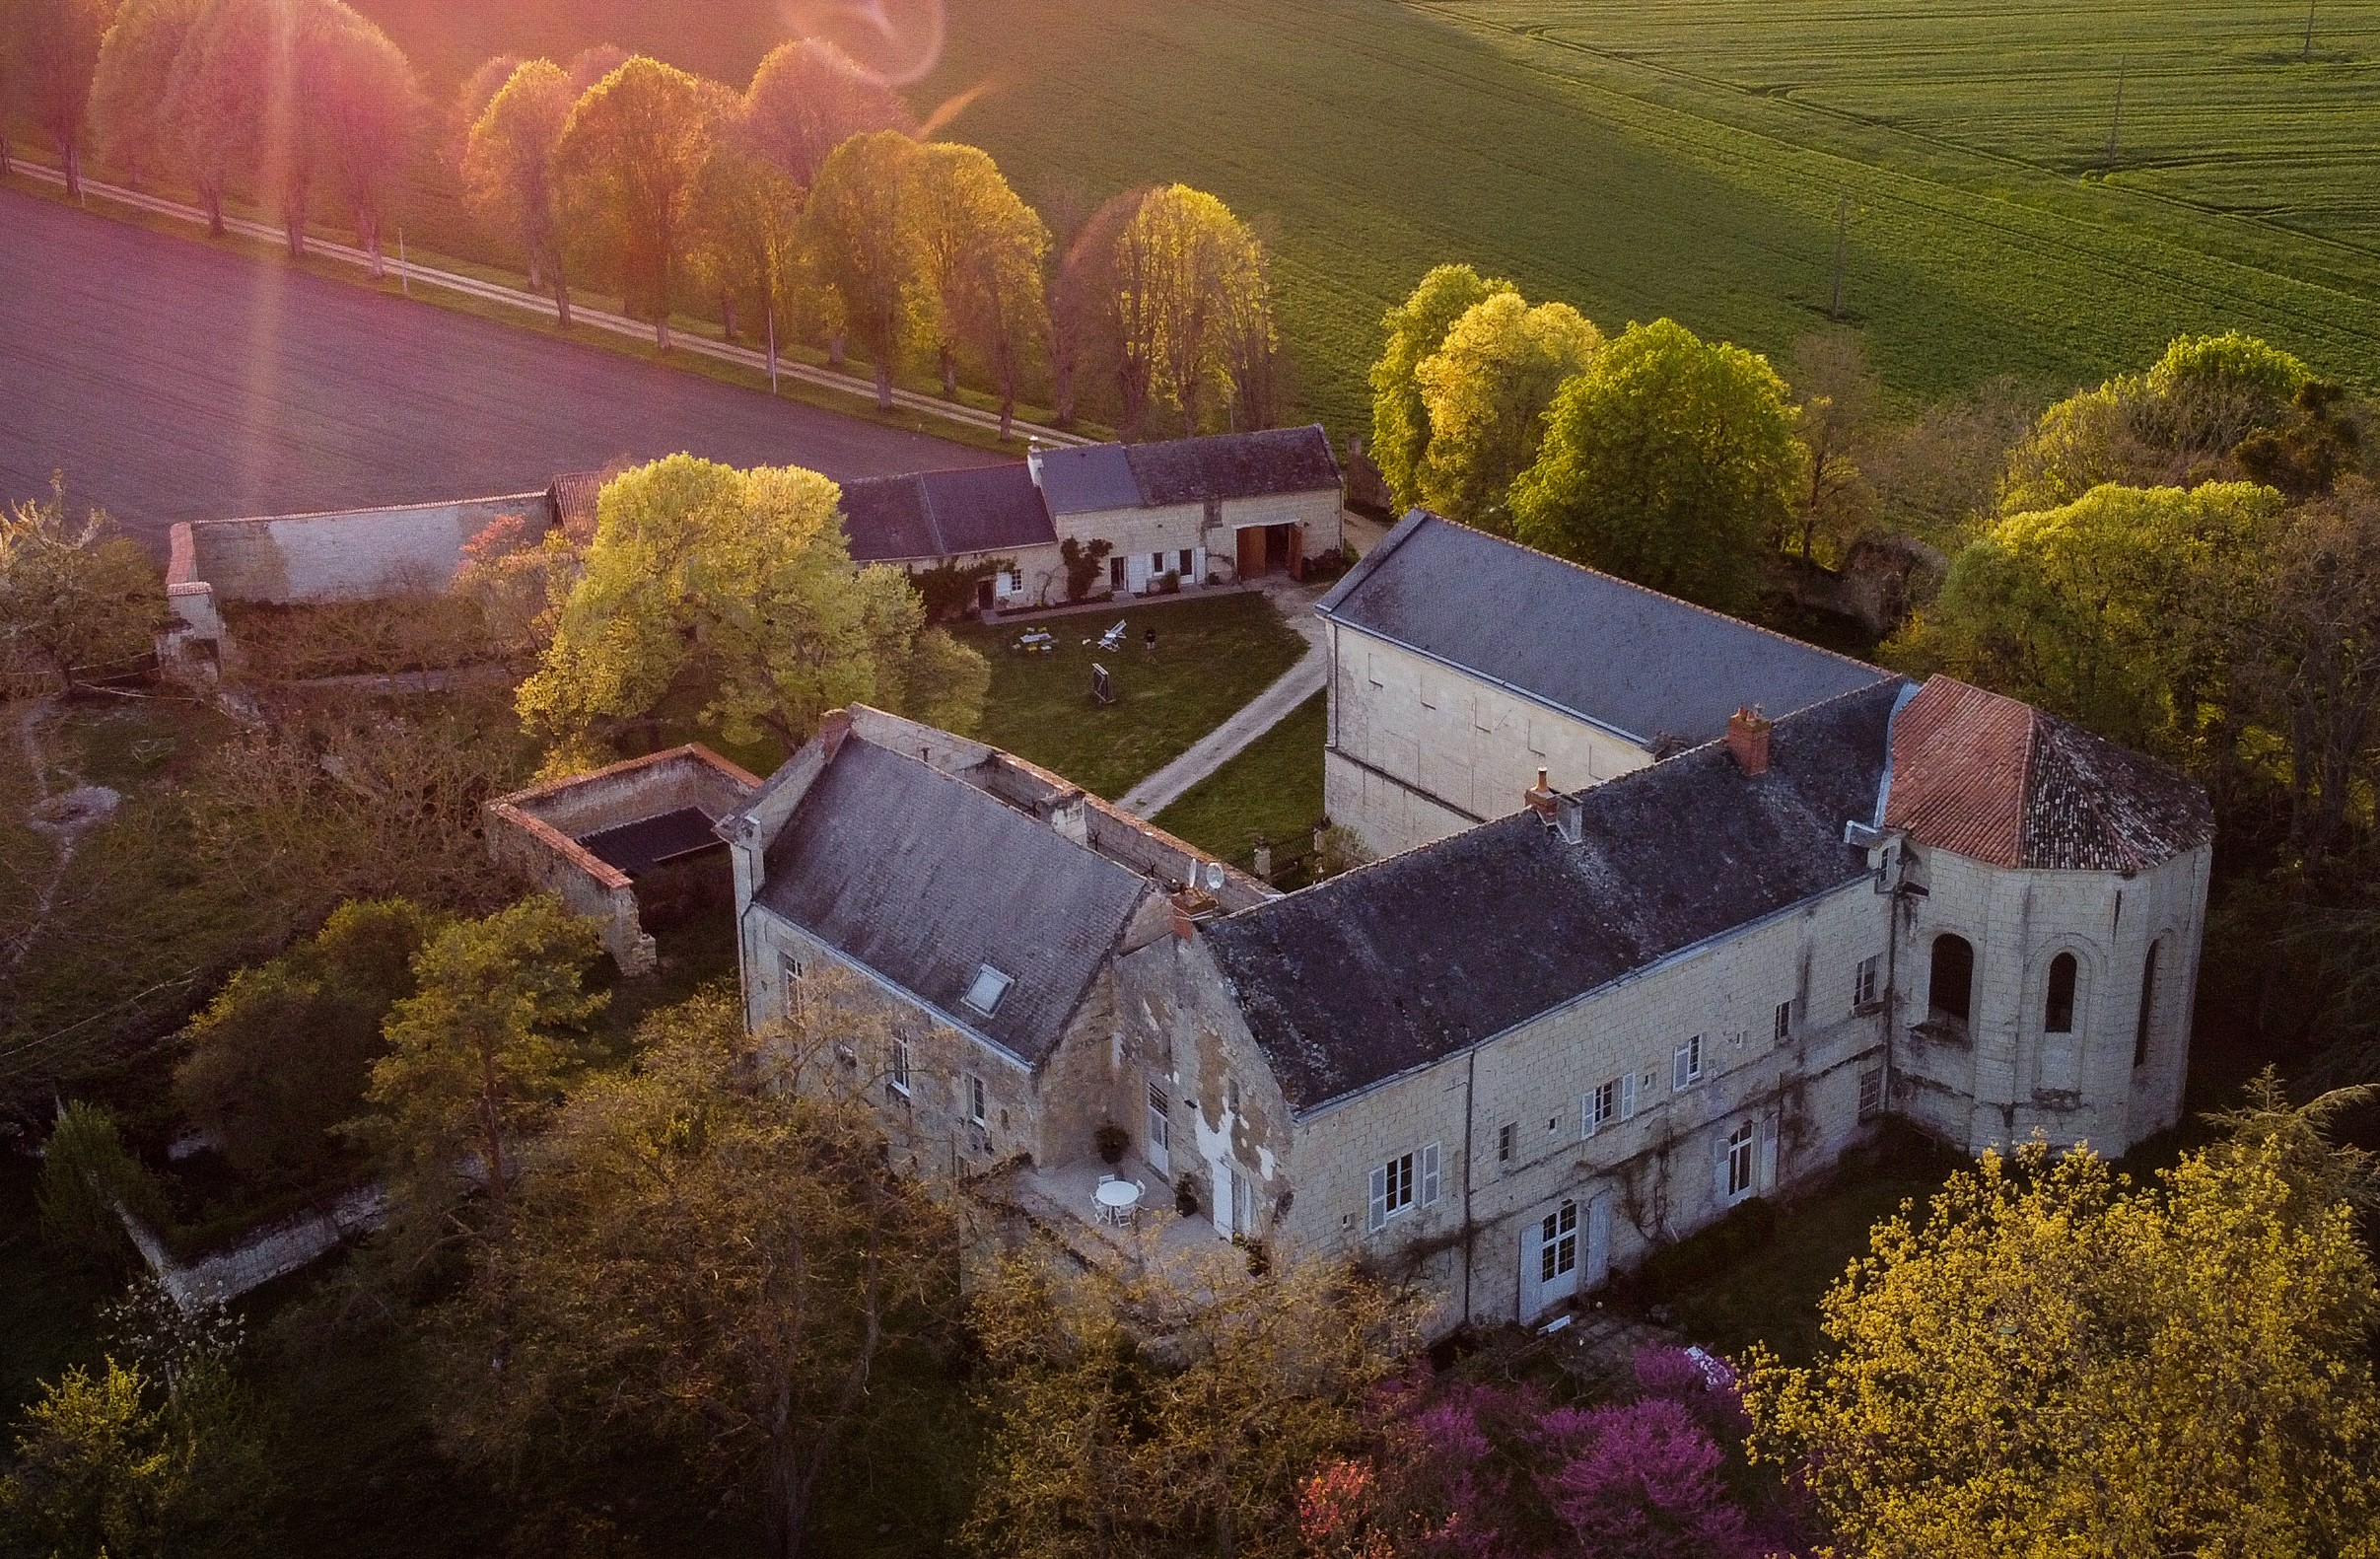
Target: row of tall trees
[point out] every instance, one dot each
(809, 208)
(672, 190)
(284, 100)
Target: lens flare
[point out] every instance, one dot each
(899, 42)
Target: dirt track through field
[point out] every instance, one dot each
(170, 381)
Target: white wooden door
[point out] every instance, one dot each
(1136, 573)
(1160, 1149)
(1598, 1242)
(1552, 1256)
(1225, 1198)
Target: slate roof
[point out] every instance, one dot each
(1234, 466)
(1223, 465)
(1088, 479)
(929, 515)
(923, 878)
(638, 847)
(1999, 781)
(1401, 962)
(1632, 660)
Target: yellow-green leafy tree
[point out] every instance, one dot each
(628, 160)
(128, 87)
(2123, 609)
(476, 1058)
(52, 48)
(2058, 1361)
(808, 98)
(508, 168)
(1670, 461)
(1485, 392)
(859, 237)
(737, 588)
(1417, 327)
(747, 221)
(1179, 1409)
(1187, 266)
(368, 104)
(981, 249)
(2175, 425)
(709, 1251)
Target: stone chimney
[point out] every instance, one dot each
(1748, 740)
(834, 728)
(1540, 797)
(1067, 817)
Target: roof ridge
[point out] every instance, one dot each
(1667, 765)
(1005, 807)
(925, 502)
(1647, 590)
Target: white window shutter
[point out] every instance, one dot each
(1768, 1155)
(1587, 1113)
(1430, 1181)
(1628, 1095)
(1677, 1069)
(1379, 1198)
(1719, 1164)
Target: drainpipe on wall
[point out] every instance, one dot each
(1470, 1233)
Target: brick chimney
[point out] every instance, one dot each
(1540, 797)
(1748, 740)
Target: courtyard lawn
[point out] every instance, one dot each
(1271, 791)
(1213, 655)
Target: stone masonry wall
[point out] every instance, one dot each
(1471, 746)
(351, 555)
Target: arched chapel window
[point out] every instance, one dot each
(2057, 1013)
(1950, 983)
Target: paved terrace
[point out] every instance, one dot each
(174, 381)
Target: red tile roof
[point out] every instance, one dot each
(1987, 778)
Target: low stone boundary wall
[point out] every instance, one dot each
(352, 554)
(275, 1250)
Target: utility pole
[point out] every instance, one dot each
(2115, 128)
(1842, 228)
(2308, 56)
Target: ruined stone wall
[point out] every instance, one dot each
(350, 555)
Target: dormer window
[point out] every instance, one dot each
(990, 986)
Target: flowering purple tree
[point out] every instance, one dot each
(1500, 1472)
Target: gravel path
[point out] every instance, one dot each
(1254, 718)
(175, 381)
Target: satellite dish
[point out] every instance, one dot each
(1215, 877)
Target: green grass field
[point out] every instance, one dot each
(1687, 159)
(1213, 655)
(1273, 791)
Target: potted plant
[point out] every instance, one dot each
(1111, 1140)
(1185, 1195)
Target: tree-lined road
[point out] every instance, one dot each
(170, 381)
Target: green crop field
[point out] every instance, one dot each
(1691, 157)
